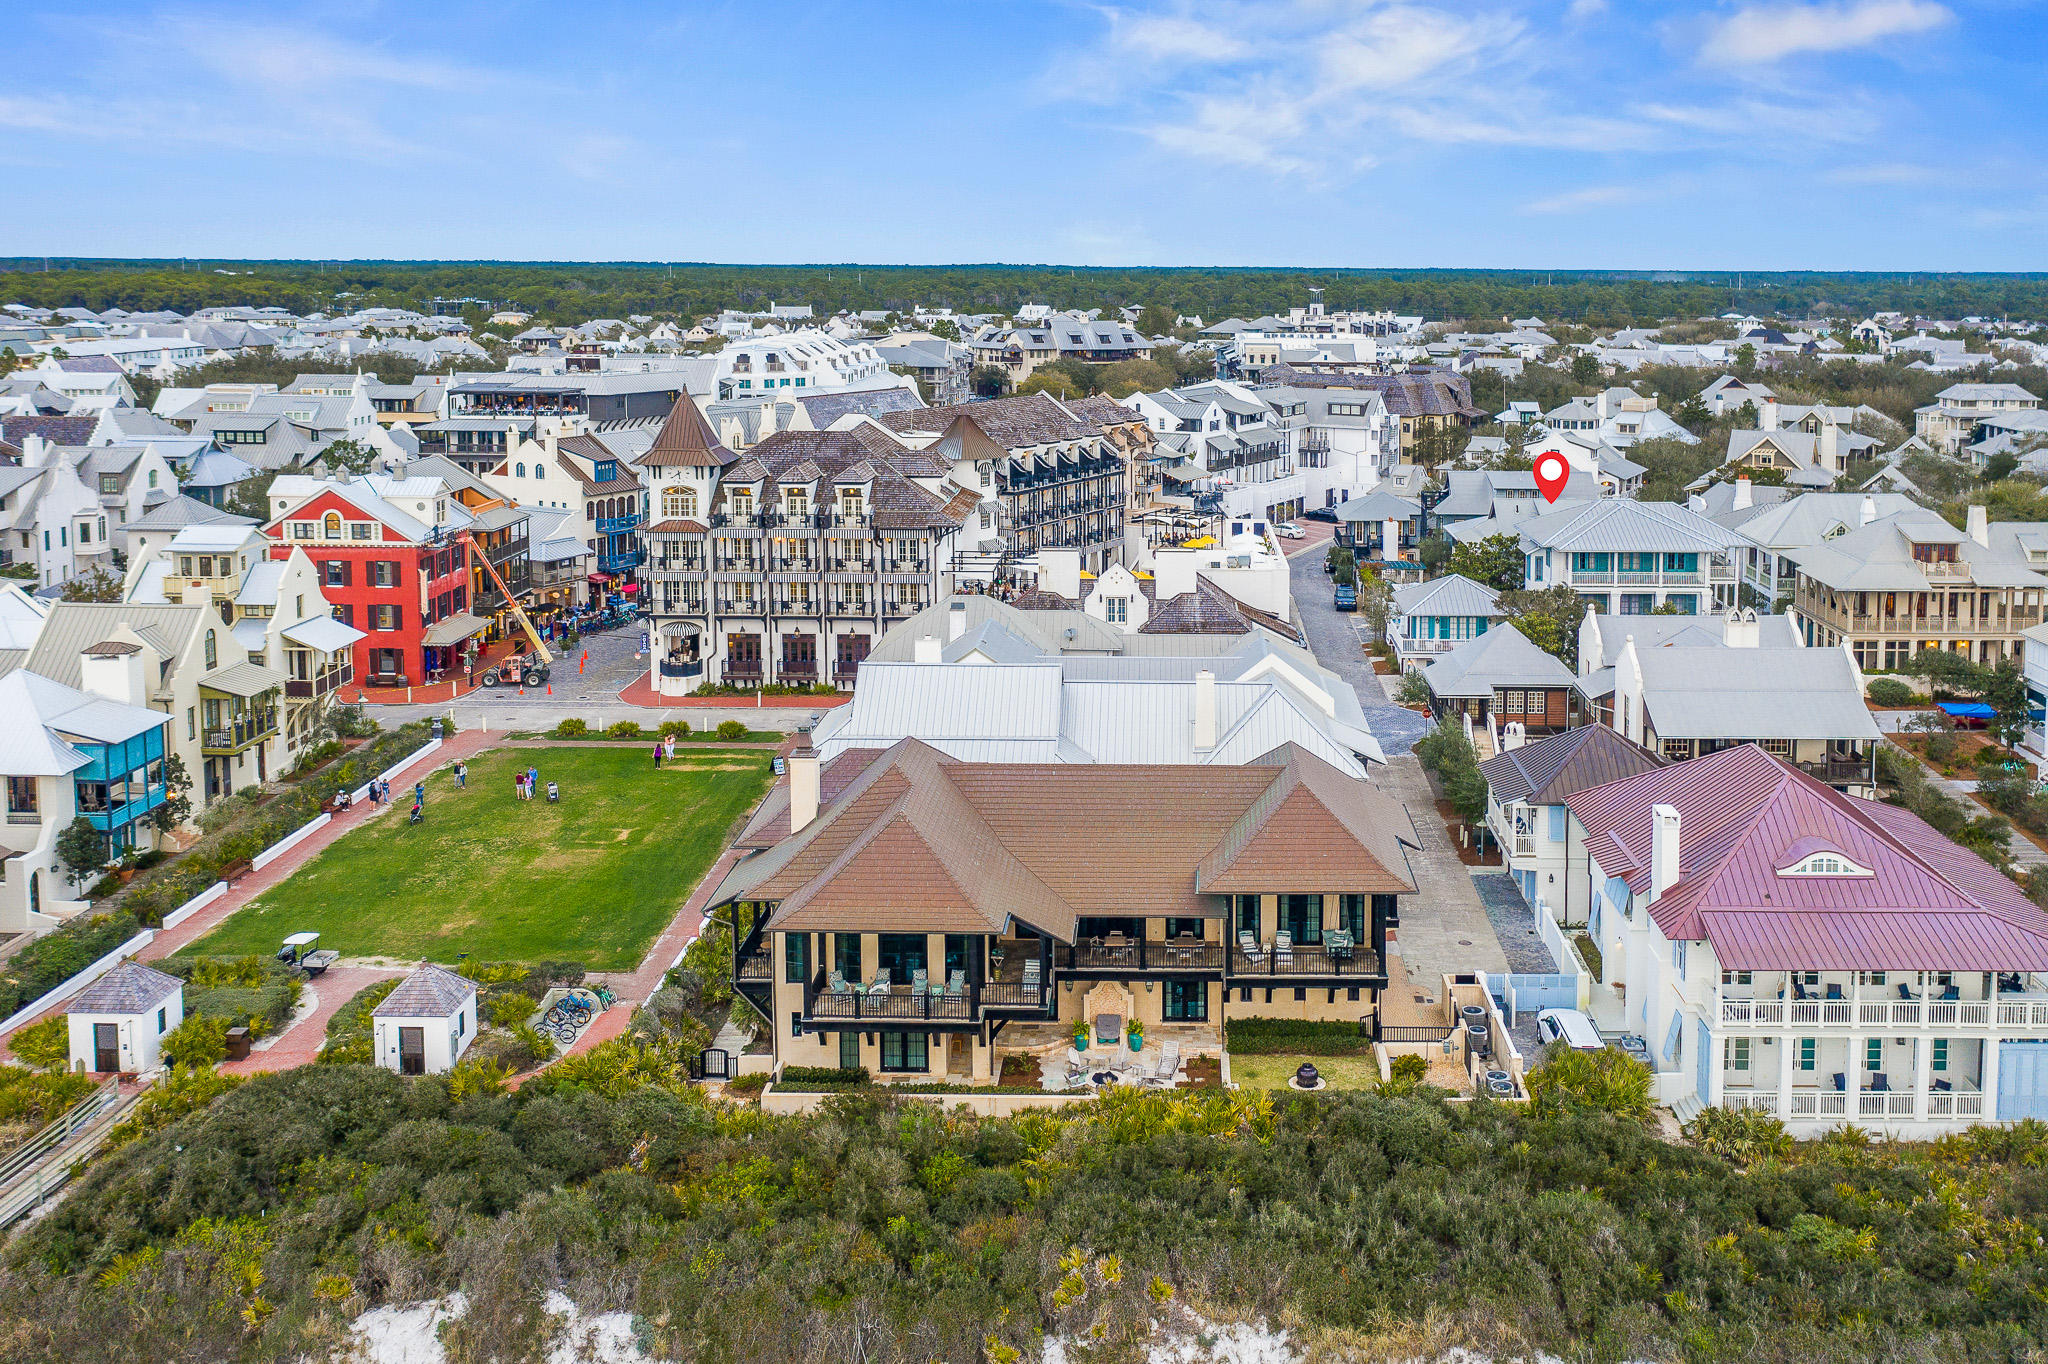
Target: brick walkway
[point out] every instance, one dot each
(298, 1044)
(168, 941)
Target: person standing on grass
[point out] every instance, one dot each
(461, 776)
(670, 741)
(532, 781)
(419, 793)
(657, 755)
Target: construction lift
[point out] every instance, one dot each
(531, 668)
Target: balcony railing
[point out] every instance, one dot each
(2007, 1014)
(1317, 959)
(307, 688)
(894, 1003)
(1140, 955)
(619, 563)
(618, 525)
(239, 735)
(682, 669)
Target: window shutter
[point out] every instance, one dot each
(345, 573)
(398, 617)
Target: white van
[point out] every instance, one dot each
(1569, 1026)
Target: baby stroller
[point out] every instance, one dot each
(419, 814)
(554, 794)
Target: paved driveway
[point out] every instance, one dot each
(1334, 636)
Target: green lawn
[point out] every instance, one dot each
(1273, 1072)
(593, 879)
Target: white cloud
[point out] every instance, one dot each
(1173, 37)
(1762, 34)
(1580, 200)
(1587, 9)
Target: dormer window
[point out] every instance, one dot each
(1824, 864)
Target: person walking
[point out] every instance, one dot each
(419, 793)
(657, 755)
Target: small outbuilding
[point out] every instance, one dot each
(424, 1026)
(119, 1022)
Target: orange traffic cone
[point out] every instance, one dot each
(551, 689)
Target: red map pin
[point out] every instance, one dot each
(1551, 474)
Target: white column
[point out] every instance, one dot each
(1390, 540)
(1856, 1072)
(1923, 1060)
(1988, 1077)
(1788, 1047)
(1717, 1067)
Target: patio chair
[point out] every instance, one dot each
(1834, 992)
(1841, 1083)
(1799, 990)
(918, 979)
(1951, 993)
(1283, 949)
(1032, 970)
(839, 985)
(1167, 1068)
(1943, 1086)
(881, 985)
(956, 984)
(1880, 1083)
(1248, 944)
(1906, 993)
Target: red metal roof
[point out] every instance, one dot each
(1928, 905)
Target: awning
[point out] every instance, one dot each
(1967, 710)
(600, 577)
(243, 679)
(323, 633)
(453, 630)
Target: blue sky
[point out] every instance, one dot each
(1852, 134)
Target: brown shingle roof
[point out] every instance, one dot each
(1550, 769)
(924, 843)
(687, 440)
(1034, 419)
(429, 992)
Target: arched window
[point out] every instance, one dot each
(519, 470)
(35, 892)
(331, 525)
(152, 478)
(212, 651)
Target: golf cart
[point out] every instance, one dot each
(298, 950)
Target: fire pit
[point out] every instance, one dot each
(1306, 1077)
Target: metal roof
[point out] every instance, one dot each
(1724, 693)
(1928, 905)
(1498, 658)
(1623, 525)
(242, 679)
(1451, 595)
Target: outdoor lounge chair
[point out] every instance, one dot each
(1283, 949)
(839, 985)
(956, 984)
(1834, 992)
(918, 979)
(1952, 993)
(1880, 1083)
(881, 985)
(1906, 993)
(1943, 1086)
(1033, 970)
(1841, 1083)
(1167, 1068)
(1248, 943)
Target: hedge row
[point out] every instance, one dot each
(57, 956)
(1292, 1037)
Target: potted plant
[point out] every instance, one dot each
(1080, 1034)
(1134, 1033)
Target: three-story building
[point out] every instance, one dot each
(1632, 558)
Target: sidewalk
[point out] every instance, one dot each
(300, 1042)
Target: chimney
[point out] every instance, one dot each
(926, 649)
(1980, 525)
(1745, 493)
(1205, 711)
(1768, 421)
(1828, 455)
(1059, 571)
(1663, 849)
(1740, 630)
(1868, 511)
(1173, 573)
(956, 620)
(803, 789)
(1600, 405)
(114, 669)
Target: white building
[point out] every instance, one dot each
(1632, 558)
(801, 362)
(1526, 789)
(118, 1024)
(424, 1026)
(1788, 950)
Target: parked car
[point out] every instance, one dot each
(1328, 514)
(1347, 597)
(1569, 1026)
(1287, 530)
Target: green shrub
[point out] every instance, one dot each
(674, 729)
(45, 1045)
(473, 1076)
(60, 954)
(571, 728)
(624, 729)
(351, 1034)
(747, 1084)
(1414, 689)
(824, 1075)
(1293, 1036)
(732, 731)
(198, 1041)
(1408, 1069)
(29, 1099)
(511, 1008)
(1889, 691)
(185, 1090)
(1739, 1134)
(1609, 1080)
